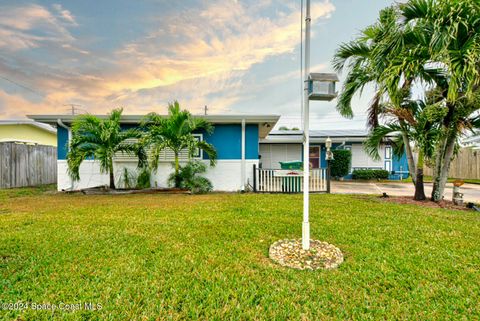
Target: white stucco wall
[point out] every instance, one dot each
(225, 176)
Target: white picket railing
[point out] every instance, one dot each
(267, 182)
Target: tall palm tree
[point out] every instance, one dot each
(368, 61)
(175, 133)
(101, 139)
(451, 27)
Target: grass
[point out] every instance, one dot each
(169, 257)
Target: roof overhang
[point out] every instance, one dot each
(265, 122)
(29, 123)
(313, 140)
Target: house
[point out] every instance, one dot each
(245, 145)
(27, 131)
(287, 145)
(236, 139)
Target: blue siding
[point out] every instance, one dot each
(227, 140)
(251, 141)
(62, 143)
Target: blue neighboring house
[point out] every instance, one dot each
(243, 143)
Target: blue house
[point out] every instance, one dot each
(236, 139)
(248, 154)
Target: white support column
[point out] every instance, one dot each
(306, 137)
(69, 130)
(243, 173)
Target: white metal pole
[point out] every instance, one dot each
(306, 136)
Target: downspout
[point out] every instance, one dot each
(243, 174)
(61, 124)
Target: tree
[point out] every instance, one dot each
(451, 28)
(175, 133)
(101, 139)
(368, 61)
(420, 123)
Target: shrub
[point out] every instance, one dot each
(370, 174)
(127, 179)
(143, 179)
(188, 178)
(340, 165)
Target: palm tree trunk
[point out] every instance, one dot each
(177, 169)
(442, 165)
(410, 160)
(419, 188)
(112, 178)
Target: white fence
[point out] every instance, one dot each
(266, 181)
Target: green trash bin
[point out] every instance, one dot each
(291, 184)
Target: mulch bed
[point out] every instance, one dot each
(426, 203)
(107, 191)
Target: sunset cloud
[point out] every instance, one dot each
(200, 55)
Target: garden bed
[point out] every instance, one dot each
(426, 203)
(119, 191)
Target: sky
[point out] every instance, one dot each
(235, 56)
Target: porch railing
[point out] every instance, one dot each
(268, 181)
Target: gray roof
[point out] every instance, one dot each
(323, 133)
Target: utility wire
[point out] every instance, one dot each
(21, 85)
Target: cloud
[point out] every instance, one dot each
(65, 14)
(220, 38)
(29, 26)
(199, 55)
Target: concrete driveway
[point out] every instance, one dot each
(471, 192)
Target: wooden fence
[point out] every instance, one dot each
(466, 165)
(27, 165)
(266, 181)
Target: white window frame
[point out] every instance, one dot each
(388, 152)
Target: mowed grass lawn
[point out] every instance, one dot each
(160, 257)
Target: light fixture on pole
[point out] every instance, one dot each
(317, 86)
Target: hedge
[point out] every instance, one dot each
(340, 165)
(370, 174)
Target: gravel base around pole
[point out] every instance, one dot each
(289, 253)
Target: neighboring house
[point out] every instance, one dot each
(27, 131)
(473, 141)
(281, 146)
(236, 139)
(241, 141)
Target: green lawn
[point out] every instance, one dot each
(161, 257)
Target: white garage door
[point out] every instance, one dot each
(272, 154)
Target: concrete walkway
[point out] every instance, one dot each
(471, 191)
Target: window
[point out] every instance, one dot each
(314, 156)
(165, 156)
(388, 165)
(388, 152)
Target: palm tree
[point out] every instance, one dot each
(421, 126)
(369, 60)
(101, 139)
(175, 133)
(451, 28)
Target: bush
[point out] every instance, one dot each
(188, 178)
(370, 174)
(340, 165)
(143, 179)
